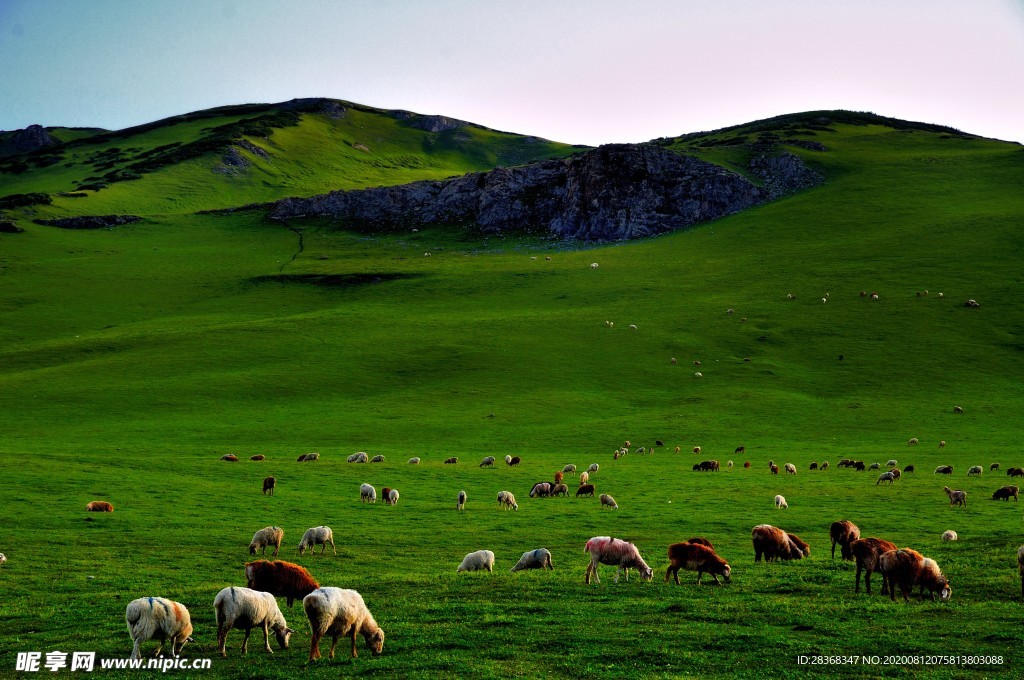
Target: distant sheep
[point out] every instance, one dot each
(974, 471)
(696, 557)
(607, 500)
(993, 466)
(414, 461)
(618, 553)
(593, 265)
(269, 484)
(569, 469)
(558, 477)
(477, 561)
(358, 457)
(780, 502)
(696, 449)
(337, 612)
(632, 326)
(912, 441)
(309, 457)
(266, 537)
(487, 462)
(1015, 472)
(99, 506)
(160, 619)
(944, 470)
(367, 494)
(540, 490)
(942, 443)
(813, 465)
(958, 409)
(594, 467)
(258, 457)
(392, 497)
(451, 461)
(585, 490)
(230, 457)
(315, 536)
(843, 533)
(1005, 493)
(746, 465)
(891, 463)
(956, 497)
(949, 535)
(908, 469)
(790, 469)
(3, 558)
(824, 466)
(507, 501)
(281, 579)
(246, 609)
(866, 552)
(698, 374)
(534, 559)
(513, 461)
(460, 501)
(774, 543)
(377, 459)
(673, 361)
(886, 477)
(774, 468)
(560, 490)
(584, 478)
(875, 466)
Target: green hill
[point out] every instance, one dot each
(132, 358)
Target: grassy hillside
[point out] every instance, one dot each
(131, 359)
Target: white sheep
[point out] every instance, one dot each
(912, 441)
(594, 467)
(780, 502)
(584, 478)
(632, 326)
(3, 558)
(891, 463)
(609, 501)
(246, 609)
(569, 469)
(367, 494)
(975, 471)
(507, 500)
(886, 477)
(593, 265)
(392, 498)
(508, 460)
(414, 461)
(265, 537)
(698, 374)
(377, 459)
(949, 536)
(790, 469)
(534, 559)
(487, 462)
(315, 536)
(460, 502)
(337, 612)
(157, 618)
(477, 561)
(358, 457)
(729, 465)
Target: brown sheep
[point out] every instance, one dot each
(585, 490)
(514, 460)
(908, 469)
(230, 457)
(798, 548)
(1015, 472)
(905, 568)
(746, 465)
(993, 466)
(709, 466)
(698, 558)
(844, 533)
(866, 552)
(269, 483)
(258, 456)
(1005, 493)
(99, 506)
(451, 461)
(774, 469)
(932, 580)
(282, 579)
(859, 466)
(740, 449)
(558, 477)
(814, 466)
(700, 540)
(775, 544)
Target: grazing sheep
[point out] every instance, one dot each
(337, 612)
(477, 561)
(729, 464)
(414, 461)
(906, 568)
(230, 457)
(696, 449)
(1015, 472)
(896, 474)
(696, 557)
(540, 490)
(534, 559)
(942, 443)
(632, 326)
(392, 497)
(315, 536)
(912, 441)
(858, 465)
(950, 536)
(513, 461)
(560, 490)
(507, 500)
(584, 478)
(867, 551)
(798, 547)
(958, 409)
(790, 469)
(993, 466)
(974, 471)
(1020, 568)
(558, 478)
(451, 461)
(933, 581)
(266, 537)
(609, 501)
(569, 469)
(956, 497)
(814, 465)
(875, 466)
(698, 374)
(780, 502)
(891, 463)
(460, 501)
(358, 457)
(3, 558)
(618, 553)
(845, 463)
(944, 470)
(593, 265)
(746, 465)
(99, 506)
(309, 457)
(281, 579)
(269, 484)
(487, 462)
(843, 533)
(673, 361)
(367, 494)
(384, 493)
(257, 457)
(594, 467)
(774, 468)
(774, 544)
(824, 466)
(886, 477)
(160, 619)
(708, 466)
(585, 490)
(790, 296)
(246, 609)
(908, 469)
(874, 296)
(641, 451)
(377, 459)
(1005, 493)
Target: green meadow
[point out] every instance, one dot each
(133, 358)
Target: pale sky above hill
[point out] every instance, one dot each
(577, 71)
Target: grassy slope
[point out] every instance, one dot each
(133, 358)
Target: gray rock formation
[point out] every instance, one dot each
(90, 221)
(30, 139)
(614, 192)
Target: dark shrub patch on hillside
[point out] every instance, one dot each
(8, 227)
(22, 200)
(90, 222)
(334, 280)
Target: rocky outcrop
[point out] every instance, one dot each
(614, 192)
(90, 222)
(32, 138)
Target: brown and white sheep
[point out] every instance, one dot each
(906, 568)
(513, 461)
(269, 484)
(790, 469)
(560, 490)
(698, 558)
(843, 533)
(584, 478)
(540, 490)
(281, 579)
(460, 501)
(866, 552)
(956, 497)
(507, 501)
(229, 457)
(974, 471)
(1005, 493)
(99, 506)
(339, 612)
(944, 470)
(618, 553)
(160, 619)
(258, 457)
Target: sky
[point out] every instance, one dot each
(585, 72)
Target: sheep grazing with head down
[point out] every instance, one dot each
(790, 469)
(780, 502)
(911, 441)
(315, 536)
(358, 457)
(974, 471)
(160, 619)
(585, 490)
(487, 462)
(775, 544)
(339, 612)
(866, 552)
(281, 579)
(594, 467)
(534, 559)
(392, 497)
(944, 470)
(99, 506)
(906, 568)
(513, 461)
(451, 461)
(993, 466)
(607, 500)
(569, 469)
(414, 460)
(540, 490)
(229, 457)
(618, 553)
(584, 478)
(1015, 472)
(246, 609)
(1005, 493)
(507, 501)
(460, 502)
(887, 476)
(931, 580)
(367, 493)
(558, 477)
(377, 459)
(266, 537)
(696, 557)
(477, 561)
(309, 457)
(258, 457)
(843, 533)
(269, 484)
(950, 535)
(560, 490)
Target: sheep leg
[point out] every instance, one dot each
(245, 641)
(222, 641)
(276, 548)
(714, 576)
(334, 643)
(332, 548)
(314, 645)
(266, 637)
(137, 652)
(699, 574)
(159, 647)
(354, 653)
